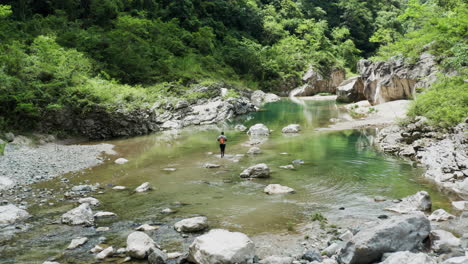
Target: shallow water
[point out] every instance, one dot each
(341, 169)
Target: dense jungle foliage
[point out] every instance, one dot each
(79, 53)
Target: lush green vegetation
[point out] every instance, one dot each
(439, 28)
(77, 54)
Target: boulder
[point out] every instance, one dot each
(257, 171)
(460, 205)
(351, 90)
(421, 201)
(89, 200)
(258, 98)
(77, 242)
(143, 187)
(401, 233)
(81, 215)
(254, 151)
(444, 242)
(312, 255)
(221, 246)
(157, 256)
(440, 215)
(293, 128)
(121, 161)
(278, 189)
(194, 224)
(10, 214)
(139, 245)
(241, 128)
(315, 82)
(258, 130)
(277, 260)
(403, 257)
(105, 253)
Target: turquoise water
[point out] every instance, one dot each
(342, 169)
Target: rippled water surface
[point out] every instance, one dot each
(341, 169)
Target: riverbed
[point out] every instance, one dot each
(341, 175)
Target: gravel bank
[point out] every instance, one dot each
(23, 165)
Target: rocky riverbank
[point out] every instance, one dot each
(444, 155)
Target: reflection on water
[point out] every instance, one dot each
(341, 170)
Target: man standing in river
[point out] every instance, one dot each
(222, 143)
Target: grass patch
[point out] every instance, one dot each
(2, 149)
(445, 104)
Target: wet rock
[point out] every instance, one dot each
(444, 242)
(102, 214)
(146, 227)
(257, 171)
(401, 233)
(143, 188)
(293, 128)
(241, 128)
(258, 130)
(211, 166)
(121, 161)
(193, 224)
(10, 214)
(157, 256)
(278, 189)
(77, 242)
(139, 245)
(440, 215)
(89, 200)
(105, 253)
(460, 205)
(277, 260)
(81, 215)
(421, 201)
(254, 151)
(287, 167)
(456, 260)
(221, 246)
(312, 255)
(408, 257)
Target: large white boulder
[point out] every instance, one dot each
(440, 215)
(10, 214)
(139, 245)
(193, 224)
(293, 128)
(258, 130)
(421, 201)
(401, 233)
(257, 171)
(81, 215)
(403, 257)
(221, 246)
(259, 98)
(278, 189)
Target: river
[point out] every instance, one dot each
(341, 175)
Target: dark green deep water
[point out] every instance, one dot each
(342, 169)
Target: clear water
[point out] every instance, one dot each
(341, 169)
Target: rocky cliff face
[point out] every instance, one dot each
(315, 83)
(100, 123)
(396, 79)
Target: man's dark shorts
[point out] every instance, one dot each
(222, 147)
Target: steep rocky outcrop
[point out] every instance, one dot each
(351, 90)
(396, 79)
(315, 82)
(99, 122)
